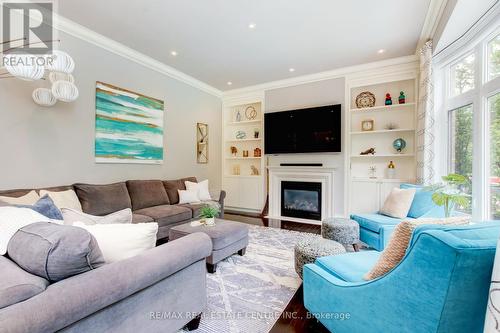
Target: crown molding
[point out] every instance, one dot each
(379, 66)
(431, 23)
(72, 28)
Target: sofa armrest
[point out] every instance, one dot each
(72, 299)
(222, 196)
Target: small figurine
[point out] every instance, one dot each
(234, 151)
(257, 152)
(372, 170)
(245, 153)
(391, 170)
(256, 133)
(368, 152)
(236, 170)
(255, 171)
(402, 97)
(388, 99)
(240, 135)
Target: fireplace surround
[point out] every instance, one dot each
(319, 176)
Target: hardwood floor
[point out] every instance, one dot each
(295, 318)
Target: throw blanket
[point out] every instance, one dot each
(12, 219)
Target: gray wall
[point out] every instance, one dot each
(306, 95)
(52, 146)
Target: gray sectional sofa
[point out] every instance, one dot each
(160, 290)
(150, 200)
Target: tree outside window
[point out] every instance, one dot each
(462, 75)
(494, 58)
(494, 107)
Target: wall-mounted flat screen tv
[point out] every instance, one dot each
(311, 130)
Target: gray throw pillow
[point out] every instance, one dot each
(45, 206)
(54, 252)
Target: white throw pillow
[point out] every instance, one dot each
(14, 218)
(122, 241)
(28, 199)
(186, 197)
(398, 203)
(72, 215)
(201, 187)
(64, 199)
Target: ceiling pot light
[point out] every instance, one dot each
(380, 51)
(252, 26)
(61, 62)
(23, 66)
(65, 91)
(44, 97)
(229, 83)
(291, 70)
(174, 53)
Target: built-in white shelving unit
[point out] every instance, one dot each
(245, 190)
(367, 190)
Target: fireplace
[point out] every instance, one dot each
(301, 199)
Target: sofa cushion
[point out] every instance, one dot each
(54, 252)
(173, 186)
(71, 216)
(103, 199)
(147, 193)
(195, 208)
(45, 206)
(398, 203)
(375, 222)
(17, 285)
(398, 244)
(16, 198)
(349, 267)
(166, 214)
(422, 202)
(138, 218)
(63, 199)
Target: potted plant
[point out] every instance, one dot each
(449, 193)
(208, 215)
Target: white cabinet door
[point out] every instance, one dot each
(249, 194)
(231, 186)
(365, 196)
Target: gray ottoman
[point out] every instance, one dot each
(309, 249)
(228, 237)
(342, 230)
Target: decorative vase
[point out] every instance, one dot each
(210, 221)
(391, 173)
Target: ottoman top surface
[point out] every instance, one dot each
(223, 233)
(318, 247)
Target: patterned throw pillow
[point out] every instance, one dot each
(398, 244)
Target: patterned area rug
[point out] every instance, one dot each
(248, 293)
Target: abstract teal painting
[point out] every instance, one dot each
(128, 126)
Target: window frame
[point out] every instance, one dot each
(446, 102)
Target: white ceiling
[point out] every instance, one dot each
(215, 45)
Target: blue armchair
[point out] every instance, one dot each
(441, 285)
(376, 229)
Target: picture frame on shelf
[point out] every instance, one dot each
(367, 125)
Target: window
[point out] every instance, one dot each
(460, 159)
(468, 106)
(462, 75)
(494, 58)
(494, 110)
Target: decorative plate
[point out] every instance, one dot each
(365, 100)
(250, 113)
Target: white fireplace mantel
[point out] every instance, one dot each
(323, 175)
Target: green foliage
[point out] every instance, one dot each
(449, 193)
(209, 212)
